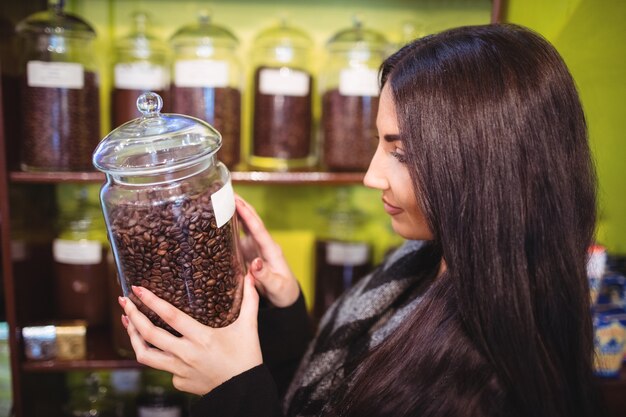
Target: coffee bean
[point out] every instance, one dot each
(167, 258)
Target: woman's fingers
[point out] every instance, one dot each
(268, 248)
(149, 332)
(250, 303)
(171, 315)
(281, 290)
(150, 356)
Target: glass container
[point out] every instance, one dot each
(59, 92)
(282, 107)
(342, 257)
(207, 81)
(349, 89)
(79, 252)
(140, 64)
(169, 208)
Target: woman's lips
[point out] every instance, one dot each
(391, 209)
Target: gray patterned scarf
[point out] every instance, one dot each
(360, 320)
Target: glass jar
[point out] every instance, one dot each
(140, 64)
(282, 107)
(342, 257)
(80, 257)
(207, 81)
(59, 93)
(169, 208)
(349, 89)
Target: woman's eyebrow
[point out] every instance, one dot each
(391, 138)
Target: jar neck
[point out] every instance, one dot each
(173, 174)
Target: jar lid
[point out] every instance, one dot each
(155, 143)
(204, 32)
(283, 35)
(141, 41)
(55, 21)
(357, 37)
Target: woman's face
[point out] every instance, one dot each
(389, 173)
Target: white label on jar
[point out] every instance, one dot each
(223, 201)
(159, 412)
(77, 252)
(284, 82)
(201, 73)
(141, 76)
(55, 74)
(358, 82)
(341, 253)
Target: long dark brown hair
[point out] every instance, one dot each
(496, 142)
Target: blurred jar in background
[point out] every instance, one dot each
(349, 88)
(140, 64)
(341, 257)
(282, 107)
(207, 81)
(79, 252)
(59, 92)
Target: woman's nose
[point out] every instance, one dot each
(374, 177)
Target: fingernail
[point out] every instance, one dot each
(258, 264)
(137, 291)
(121, 301)
(124, 321)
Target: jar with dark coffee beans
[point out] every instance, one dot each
(207, 81)
(282, 123)
(59, 91)
(349, 89)
(170, 213)
(140, 64)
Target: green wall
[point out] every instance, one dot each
(591, 36)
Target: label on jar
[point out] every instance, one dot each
(358, 82)
(342, 253)
(77, 252)
(223, 201)
(284, 82)
(141, 76)
(173, 411)
(55, 74)
(201, 73)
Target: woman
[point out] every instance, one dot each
(484, 167)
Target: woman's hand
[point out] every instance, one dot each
(204, 357)
(273, 278)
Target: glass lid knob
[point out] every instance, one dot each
(149, 104)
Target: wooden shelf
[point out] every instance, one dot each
(100, 355)
(241, 177)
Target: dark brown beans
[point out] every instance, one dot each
(159, 256)
(61, 126)
(349, 126)
(221, 108)
(282, 124)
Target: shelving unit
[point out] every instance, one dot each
(30, 376)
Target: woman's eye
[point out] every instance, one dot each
(399, 155)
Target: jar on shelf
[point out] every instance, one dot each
(140, 65)
(349, 89)
(59, 92)
(207, 81)
(282, 107)
(79, 253)
(169, 209)
(342, 256)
